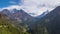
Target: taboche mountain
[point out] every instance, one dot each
(16, 22)
(20, 15)
(49, 24)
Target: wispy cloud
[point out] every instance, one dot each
(12, 7)
(12, 2)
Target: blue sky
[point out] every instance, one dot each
(5, 3)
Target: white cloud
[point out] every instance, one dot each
(41, 2)
(39, 6)
(10, 8)
(13, 7)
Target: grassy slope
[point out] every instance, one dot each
(7, 28)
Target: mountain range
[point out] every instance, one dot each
(20, 15)
(48, 22)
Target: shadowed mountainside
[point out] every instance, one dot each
(49, 24)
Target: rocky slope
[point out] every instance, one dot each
(7, 26)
